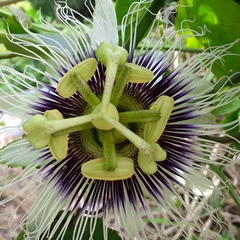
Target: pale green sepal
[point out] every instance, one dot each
(106, 52)
(153, 130)
(199, 86)
(17, 154)
(146, 163)
(104, 23)
(101, 123)
(95, 169)
(139, 74)
(205, 118)
(85, 69)
(58, 145)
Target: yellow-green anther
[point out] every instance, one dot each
(101, 123)
(84, 89)
(53, 114)
(96, 169)
(146, 162)
(109, 151)
(58, 145)
(106, 51)
(153, 130)
(85, 69)
(139, 74)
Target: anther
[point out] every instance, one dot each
(85, 69)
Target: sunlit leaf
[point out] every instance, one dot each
(181, 24)
(228, 108)
(50, 39)
(21, 17)
(231, 118)
(223, 23)
(122, 7)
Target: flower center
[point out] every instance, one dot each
(110, 116)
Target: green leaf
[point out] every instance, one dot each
(50, 39)
(20, 236)
(233, 116)
(7, 2)
(180, 24)
(21, 17)
(69, 233)
(228, 108)
(223, 23)
(145, 14)
(122, 7)
(237, 1)
(12, 25)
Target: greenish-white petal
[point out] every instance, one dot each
(20, 154)
(105, 22)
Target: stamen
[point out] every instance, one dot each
(122, 78)
(84, 69)
(112, 128)
(139, 116)
(84, 89)
(95, 169)
(58, 145)
(139, 74)
(149, 152)
(41, 129)
(153, 130)
(147, 162)
(109, 151)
